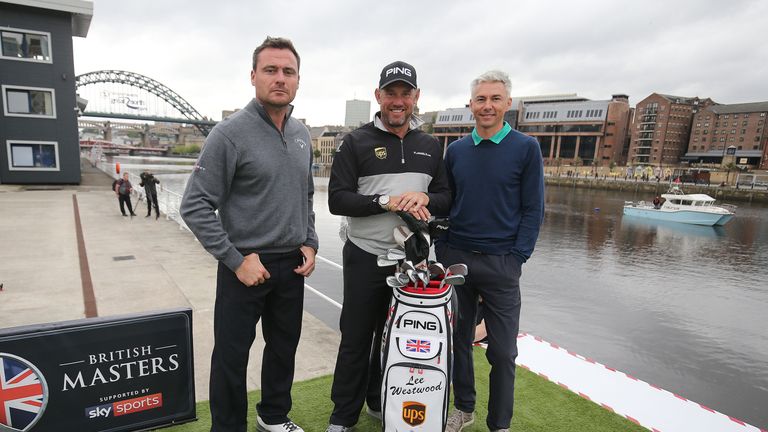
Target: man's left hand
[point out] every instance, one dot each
(416, 204)
(308, 266)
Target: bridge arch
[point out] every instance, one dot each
(148, 84)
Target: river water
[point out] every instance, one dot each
(681, 307)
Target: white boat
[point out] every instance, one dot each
(676, 206)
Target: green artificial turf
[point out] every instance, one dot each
(540, 406)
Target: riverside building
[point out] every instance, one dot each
(662, 128)
(740, 126)
(454, 123)
(38, 122)
(578, 131)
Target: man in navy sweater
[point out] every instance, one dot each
(496, 175)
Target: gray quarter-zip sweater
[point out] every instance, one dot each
(260, 180)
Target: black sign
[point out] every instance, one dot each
(101, 374)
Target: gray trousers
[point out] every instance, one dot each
(497, 279)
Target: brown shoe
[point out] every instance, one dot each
(458, 420)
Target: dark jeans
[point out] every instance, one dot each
(357, 377)
(152, 199)
(125, 199)
(279, 302)
(497, 279)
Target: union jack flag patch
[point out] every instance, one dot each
(417, 346)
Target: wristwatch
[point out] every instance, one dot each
(383, 201)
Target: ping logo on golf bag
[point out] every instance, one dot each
(418, 320)
(419, 325)
(414, 413)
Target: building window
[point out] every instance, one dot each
(25, 45)
(29, 102)
(33, 155)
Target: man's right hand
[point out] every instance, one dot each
(414, 203)
(252, 272)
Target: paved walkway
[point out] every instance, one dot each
(134, 264)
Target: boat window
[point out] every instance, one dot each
(675, 201)
(687, 202)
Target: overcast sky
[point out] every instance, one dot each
(202, 49)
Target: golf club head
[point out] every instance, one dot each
(412, 275)
(408, 265)
(382, 261)
(457, 269)
(402, 278)
(395, 254)
(454, 280)
(436, 269)
(394, 282)
(423, 277)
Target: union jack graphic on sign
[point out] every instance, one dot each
(23, 393)
(417, 345)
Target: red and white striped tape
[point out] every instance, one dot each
(642, 403)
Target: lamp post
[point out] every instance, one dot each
(731, 157)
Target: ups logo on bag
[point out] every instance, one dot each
(381, 152)
(414, 413)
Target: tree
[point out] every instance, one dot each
(317, 153)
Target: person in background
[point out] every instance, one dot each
(382, 167)
(148, 182)
(255, 170)
(123, 189)
(497, 179)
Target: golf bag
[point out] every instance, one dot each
(416, 358)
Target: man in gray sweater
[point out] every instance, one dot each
(255, 169)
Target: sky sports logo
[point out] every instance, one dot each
(128, 406)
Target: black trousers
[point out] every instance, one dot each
(152, 200)
(357, 377)
(125, 199)
(279, 302)
(497, 279)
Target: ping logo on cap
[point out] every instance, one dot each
(398, 70)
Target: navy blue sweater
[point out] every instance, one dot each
(498, 195)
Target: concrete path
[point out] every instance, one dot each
(135, 265)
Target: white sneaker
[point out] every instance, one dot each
(337, 428)
(458, 420)
(288, 426)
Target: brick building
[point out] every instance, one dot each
(717, 127)
(661, 129)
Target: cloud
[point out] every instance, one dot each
(594, 48)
